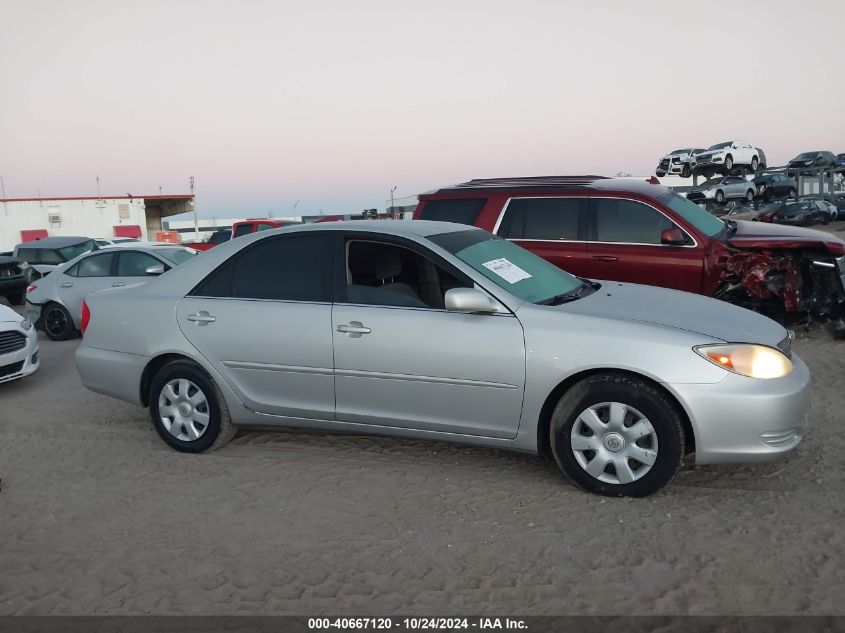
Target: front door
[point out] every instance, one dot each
(92, 273)
(625, 245)
(402, 360)
(263, 319)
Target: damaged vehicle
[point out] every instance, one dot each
(678, 163)
(641, 232)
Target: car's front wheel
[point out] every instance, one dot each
(755, 163)
(57, 322)
(749, 195)
(729, 163)
(188, 410)
(685, 171)
(720, 196)
(617, 435)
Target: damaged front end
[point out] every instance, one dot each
(790, 285)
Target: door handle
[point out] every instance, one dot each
(66, 285)
(355, 329)
(118, 284)
(606, 258)
(201, 318)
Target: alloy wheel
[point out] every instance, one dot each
(55, 321)
(614, 443)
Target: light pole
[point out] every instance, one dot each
(392, 208)
(294, 208)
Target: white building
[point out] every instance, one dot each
(25, 219)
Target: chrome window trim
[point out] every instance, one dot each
(527, 239)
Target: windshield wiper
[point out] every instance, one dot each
(572, 295)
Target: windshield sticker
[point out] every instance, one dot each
(507, 270)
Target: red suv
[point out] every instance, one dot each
(633, 230)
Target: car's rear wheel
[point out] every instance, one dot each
(729, 163)
(755, 163)
(749, 195)
(685, 171)
(791, 193)
(188, 410)
(720, 196)
(57, 322)
(617, 435)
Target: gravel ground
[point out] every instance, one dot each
(98, 516)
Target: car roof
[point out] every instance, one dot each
(550, 184)
(401, 228)
(54, 242)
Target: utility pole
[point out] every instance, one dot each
(294, 208)
(194, 203)
(392, 207)
(98, 187)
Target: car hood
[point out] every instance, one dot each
(7, 315)
(757, 235)
(681, 310)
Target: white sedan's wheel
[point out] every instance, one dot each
(614, 443)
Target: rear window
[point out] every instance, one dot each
(542, 218)
(462, 211)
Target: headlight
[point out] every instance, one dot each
(26, 324)
(745, 359)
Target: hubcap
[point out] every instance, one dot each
(184, 411)
(614, 443)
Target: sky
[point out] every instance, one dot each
(325, 106)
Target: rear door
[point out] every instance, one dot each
(263, 320)
(552, 227)
(625, 245)
(93, 273)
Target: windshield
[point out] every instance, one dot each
(176, 255)
(679, 151)
(806, 156)
(720, 145)
(509, 266)
(702, 220)
(69, 252)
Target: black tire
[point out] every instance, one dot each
(57, 322)
(634, 392)
(729, 164)
(219, 428)
(791, 193)
(15, 299)
(755, 163)
(660, 174)
(749, 195)
(685, 171)
(720, 196)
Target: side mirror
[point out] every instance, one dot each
(673, 237)
(468, 300)
(158, 269)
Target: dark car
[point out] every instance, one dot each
(840, 160)
(630, 230)
(804, 213)
(774, 185)
(45, 254)
(812, 160)
(13, 279)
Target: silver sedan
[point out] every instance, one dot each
(440, 331)
(54, 302)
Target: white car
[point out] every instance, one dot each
(727, 155)
(18, 346)
(678, 163)
(54, 303)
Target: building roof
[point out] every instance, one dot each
(175, 196)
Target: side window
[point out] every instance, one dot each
(95, 266)
(379, 273)
(242, 229)
(290, 268)
(135, 264)
(460, 211)
(73, 271)
(542, 218)
(616, 220)
(29, 255)
(263, 226)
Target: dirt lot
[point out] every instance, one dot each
(97, 516)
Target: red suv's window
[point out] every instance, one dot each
(461, 211)
(616, 220)
(543, 219)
